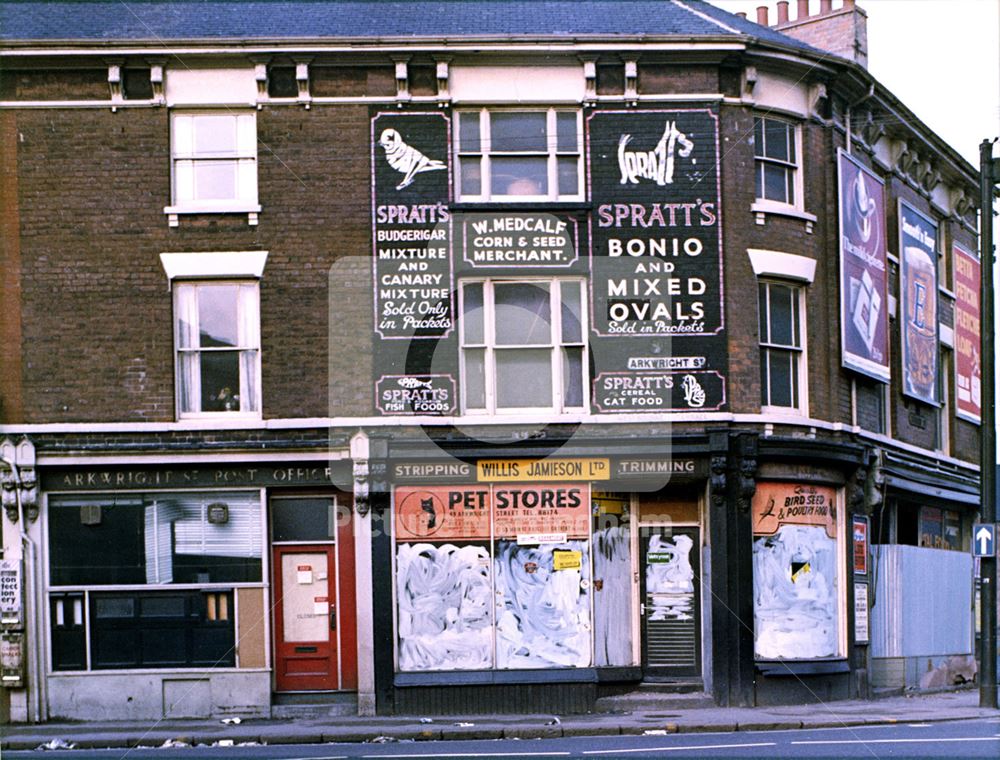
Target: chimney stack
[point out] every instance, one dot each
(762, 15)
(842, 31)
(742, 14)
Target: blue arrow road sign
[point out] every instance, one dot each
(984, 540)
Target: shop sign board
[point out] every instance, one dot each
(10, 593)
(864, 313)
(918, 303)
(778, 504)
(535, 470)
(860, 532)
(12, 660)
(129, 478)
(968, 364)
(519, 239)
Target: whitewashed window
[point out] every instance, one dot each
(523, 346)
(214, 160)
(513, 155)
(217, 335)
(781, 345)
(776, 161)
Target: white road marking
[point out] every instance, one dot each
(898, 741)
(476, 754)
(918, 725)
(676, 749)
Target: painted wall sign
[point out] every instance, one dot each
(416, 394)
(534, 470)
(674, 467)
(918, 289)
(968, 366)
(442, 513)
(860, 539)
(659, 391)
(779, 504)
(430, 471)
(864, 313)
(131, 478)
(518, 239)
(656, 260)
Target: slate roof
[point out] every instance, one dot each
(175, 20)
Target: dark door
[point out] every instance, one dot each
(670, 610)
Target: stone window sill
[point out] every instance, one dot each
(762, 208)
(250, 209)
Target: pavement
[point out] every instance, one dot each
(946, 706)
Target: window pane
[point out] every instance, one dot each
(566, 131)
(573, 376)
(781, 315)
(759, 180)
(112, 607)
(215, 180)
(781, 377)
(527, 175)
(758, 137)
(572, 329)
(518, 131)
(775, 183)
(765, 386)
(475, 378)
(522, 314)
(762, 313)
(472, 175)
(524, 378)
(220, 381)
(217, 321)
(472, 314)
(776, 139)
(214, 135)
(569, 179)
(468, 132)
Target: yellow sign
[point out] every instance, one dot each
(562, 560)
(537, 470)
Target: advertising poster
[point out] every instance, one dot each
(968, 368)
(918, 307)
(860, 524)
(414, 303)
(861, 622)
(864, 314)
(657, 323)
(442, 513)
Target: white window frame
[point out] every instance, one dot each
(555, 346)
(255, 401)
(761, 207)
(799, 330)
(485, 154)
(184, 158)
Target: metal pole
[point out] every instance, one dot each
(988, 441)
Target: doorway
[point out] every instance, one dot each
(312, 567)
(670, 601)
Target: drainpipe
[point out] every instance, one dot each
(30, 612)
(850, 107)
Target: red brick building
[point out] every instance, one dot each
(454, 355)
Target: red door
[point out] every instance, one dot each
(315, 631)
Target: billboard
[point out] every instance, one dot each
(918, 291)
(968, 367)
(864, 316)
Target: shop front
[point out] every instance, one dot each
(191, 592)
(524, 584)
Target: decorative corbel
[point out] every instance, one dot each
(443, 93)
(156, 80)
(590, 79)
(874, 481)
(906, 159)
(632, 80)
(872, 131)
(747, 482)
(717, 480)
(962, 203)
(115, 83)
(749, 80)
(302, 80)
(930, 177)
(402, 78)
(260, 74)
(817, 94)
(362, 493)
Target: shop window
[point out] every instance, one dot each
(161, 630)
(940, 528)
(781, 345)
(798, 561)
(488, 577)
(213, 161)
(523, 345)
(69, 643)
(511, 155)
(154, 540)
(776, 162)
(218, 348)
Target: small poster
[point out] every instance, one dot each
(861, 628)
(320, 604)
(968, 364)
(566, 560)
(860, 532)
(304, 574)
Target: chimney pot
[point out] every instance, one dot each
(848, 3)
(803, 9)
(742, 14)
(762, 15)
(825, 6)
(782, 12)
